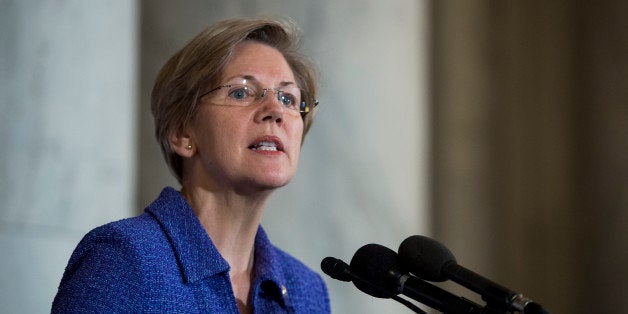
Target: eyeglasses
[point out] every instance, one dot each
(242, 95)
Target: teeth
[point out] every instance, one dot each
(269, 146)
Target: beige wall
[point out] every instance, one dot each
(68, 86)
(530, 111)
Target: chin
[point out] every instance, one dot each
(271, 182)
(277, 183)
(255, 187)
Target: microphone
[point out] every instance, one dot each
(336, 269)
(379, 266)
(339, 270)
(432, 261)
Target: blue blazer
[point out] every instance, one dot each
(163, 261)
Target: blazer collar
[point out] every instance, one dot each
(198, 256)
(192, 247)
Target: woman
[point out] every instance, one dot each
(231, 110)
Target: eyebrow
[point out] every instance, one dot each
(249, 77)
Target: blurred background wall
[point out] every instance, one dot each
(68, 104)
(498, 127)
(529, 146)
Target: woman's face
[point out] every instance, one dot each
(248, 148)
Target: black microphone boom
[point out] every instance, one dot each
(430, 260)
(379, 266)
(336, 269)
(339, 270)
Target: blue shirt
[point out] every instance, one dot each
(164, 261)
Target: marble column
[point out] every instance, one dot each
(67, 130)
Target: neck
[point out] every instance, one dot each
(231, 220)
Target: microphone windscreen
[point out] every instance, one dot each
(425, 257)
(373, 264)
(336, 268)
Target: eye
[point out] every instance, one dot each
(241, 93)
(288, 100)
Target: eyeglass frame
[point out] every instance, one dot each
(264, 91)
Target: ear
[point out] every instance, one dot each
(181, 142)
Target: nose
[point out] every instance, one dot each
(269, 109)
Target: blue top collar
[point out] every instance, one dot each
(198, 256)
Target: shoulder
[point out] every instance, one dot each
(126, 238)
(108, 268)
(306, 289)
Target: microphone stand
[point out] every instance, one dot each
(440, 299)
(386, 293)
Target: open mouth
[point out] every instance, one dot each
(268, 143)
(270, 146)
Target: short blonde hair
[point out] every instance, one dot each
(180, 82)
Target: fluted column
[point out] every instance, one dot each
(67, 97)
